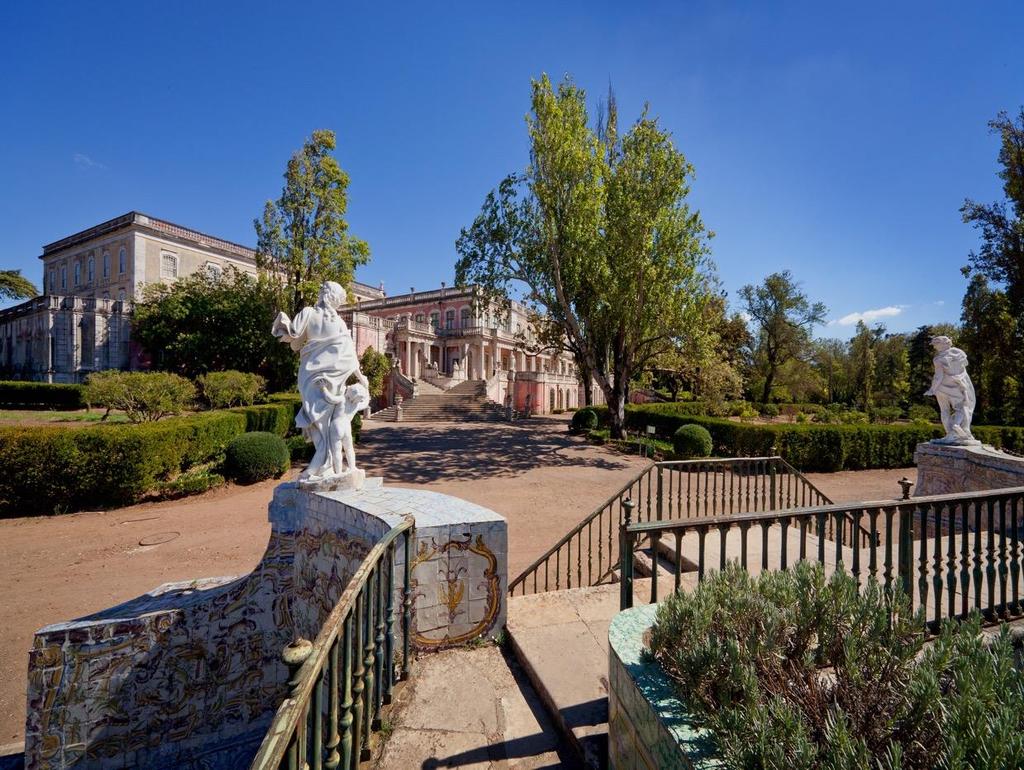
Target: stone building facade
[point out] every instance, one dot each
(447, 336)
(82, 322)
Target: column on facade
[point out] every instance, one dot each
(408, 357)
(481, 373)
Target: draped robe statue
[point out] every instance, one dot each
(327, 360)
(953, 389)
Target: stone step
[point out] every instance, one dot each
(561, 640)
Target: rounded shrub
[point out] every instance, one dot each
(691, 441)
(584, 420)
(256, 456)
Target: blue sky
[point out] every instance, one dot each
(834, 139)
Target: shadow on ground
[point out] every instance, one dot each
(420, 453)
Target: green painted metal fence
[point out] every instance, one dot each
(589, 554)
(339, 682)
(952, 554)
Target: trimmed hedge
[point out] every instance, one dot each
(52, 469)
(256, 456)
(15, 394)
(813, 446)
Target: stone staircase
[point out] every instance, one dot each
(560, 638)
(466, 401)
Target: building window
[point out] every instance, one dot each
(121, 295)
(122, 260)
(465, 317)
(168, 265)
(214, 270)
(78, 273)
(53, 280)
(434, 320)
(90, 270)
(419, 318)
(106, 264)
(63, 276)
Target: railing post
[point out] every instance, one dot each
(626, 556)
(772, 501)
(660, 498)
(906, 560)
(406, 602)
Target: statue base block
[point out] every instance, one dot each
(944, 469)
(351, 481)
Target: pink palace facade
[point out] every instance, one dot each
(447, 336)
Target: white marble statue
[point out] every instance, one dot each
(953, 389)
(327, 360)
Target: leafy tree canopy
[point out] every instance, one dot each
(13, 285)
(597, 235)
(783, 317)
(303, 238)
(205, 324)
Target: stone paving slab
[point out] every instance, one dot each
(470, 708)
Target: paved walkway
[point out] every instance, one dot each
(470, 708)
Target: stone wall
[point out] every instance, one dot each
(189, 675)
(648, 726)
(944, 469)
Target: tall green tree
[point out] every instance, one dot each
(1001, 255)
(598, 235)
(13, 285)
(993, 316)
(203, 324)
(989, 338)
(303, 237)
(784, 318)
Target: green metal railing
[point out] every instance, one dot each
(339, 682)
(589, 553)
(951, 553)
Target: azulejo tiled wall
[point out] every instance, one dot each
(648, 726)
(189, 675)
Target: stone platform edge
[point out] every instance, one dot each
(648, 725)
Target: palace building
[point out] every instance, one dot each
(439, 340)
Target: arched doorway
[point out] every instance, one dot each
(552, 400)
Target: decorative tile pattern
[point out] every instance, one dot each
(189, 675)
(648, 725)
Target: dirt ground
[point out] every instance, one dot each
(542, 480)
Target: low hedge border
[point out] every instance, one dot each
(53, 469)
(15, 394)
(812, 446)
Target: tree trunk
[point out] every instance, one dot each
(768, 382)
(617, 412)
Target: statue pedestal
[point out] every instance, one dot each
(949, 468)
(354, 480)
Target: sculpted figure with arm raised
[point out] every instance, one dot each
(327, 360)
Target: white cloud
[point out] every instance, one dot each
(84, 161)
(747, 318)
(867, 316)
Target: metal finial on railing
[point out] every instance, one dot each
(627, 511)
(906, 484)
(294, 655)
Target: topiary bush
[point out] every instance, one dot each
(231, 388)
(256, 456)
(143, 396)
(584, 420)
(691, 441)
(795, 670)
